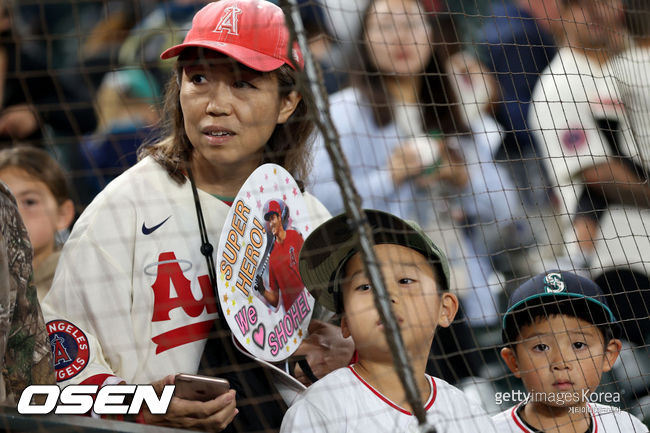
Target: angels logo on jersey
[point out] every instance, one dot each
(69, 349)
(170, 280)
(573, 139)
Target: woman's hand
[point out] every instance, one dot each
(428, 161)
(405, 163)
(213, 415)
(325, 350)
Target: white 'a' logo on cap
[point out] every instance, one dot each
(553, 283)
(229, 21)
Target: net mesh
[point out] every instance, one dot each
(514, 133)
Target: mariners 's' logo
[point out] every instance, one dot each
(229, 21)
(553, 283)
(70, 349)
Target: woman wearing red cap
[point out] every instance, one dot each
(134, 290)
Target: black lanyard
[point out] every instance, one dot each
(207, 249)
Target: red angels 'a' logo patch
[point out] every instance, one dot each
(229, 21)
(70, 349)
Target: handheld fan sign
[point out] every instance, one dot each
(260, 290)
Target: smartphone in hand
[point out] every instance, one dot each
(201, 388)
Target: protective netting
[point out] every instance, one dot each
(514, 133)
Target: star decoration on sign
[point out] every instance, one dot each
(299, 332)
(295, 191)
(248, 340)
(295, 341)
(284, 197)
(228, 311)
(288, 350)
(248, 194)
(276, 186)
(261, 188)
(306, 228)
(233, 289)
(233, 303)
(275, 171)
(286, 180)
(225, 298)
(259, 204)
(250, 299)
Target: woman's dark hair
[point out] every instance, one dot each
(288, 145)
(441, 111)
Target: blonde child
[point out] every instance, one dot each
(38, 182)
(368, 396)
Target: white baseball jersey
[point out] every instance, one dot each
(604, 419)
(634, 84)
(131, 298)
(343, 402)
(572, 103)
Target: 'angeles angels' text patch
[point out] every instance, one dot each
(69, 349)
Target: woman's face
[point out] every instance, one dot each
(397, 37)
(230, 111)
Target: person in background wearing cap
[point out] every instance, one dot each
(561, 336)
(284, 274)
(132, 297)
(368, 396)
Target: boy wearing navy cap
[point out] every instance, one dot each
(368, 396)
(561, 336)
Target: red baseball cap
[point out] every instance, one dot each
(253, 32)
(273, 207)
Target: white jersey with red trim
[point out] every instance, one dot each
(580, 121)
(131, 298)
(343, 402)
(604, 419)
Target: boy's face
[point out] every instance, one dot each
(560, 357)
(275, 222)
(416, 302)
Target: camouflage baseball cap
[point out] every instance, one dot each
(328, 248)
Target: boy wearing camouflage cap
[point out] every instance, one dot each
(368, 395)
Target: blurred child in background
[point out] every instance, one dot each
(39, 184)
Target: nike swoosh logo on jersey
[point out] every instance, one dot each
(148, 230)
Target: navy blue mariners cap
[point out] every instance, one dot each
(557, 292)
(329, 247)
